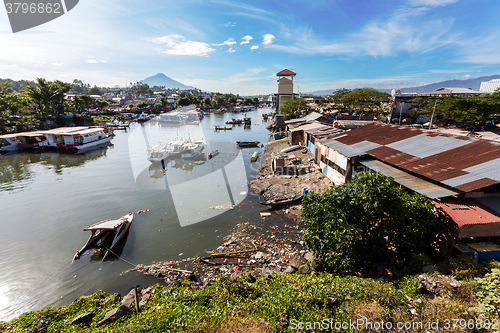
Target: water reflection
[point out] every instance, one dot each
(18, 169)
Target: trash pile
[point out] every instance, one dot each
(249, 249)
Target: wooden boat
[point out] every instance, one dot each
(282, 202)
(247, 143)
(106, 234)
(213, 153)
(218, 128)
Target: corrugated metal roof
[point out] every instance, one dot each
(343, 149)
(311, 126)
(416, 184)
(465, 163)
(313, 116)
(468, 211)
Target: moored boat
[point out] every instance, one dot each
(247, 143)
(76, 138)
(213, 153)
(9, 142)
(106, 234)
(158, 153)
(282, 202)
(191, 149)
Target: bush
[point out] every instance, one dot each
(367, 221)
(488, 290)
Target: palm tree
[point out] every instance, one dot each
(43, 93)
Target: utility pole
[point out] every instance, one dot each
(432, 116)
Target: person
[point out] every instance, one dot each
(304, 192)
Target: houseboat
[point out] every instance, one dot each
(173, 117)
(76, 138)
(9, 142)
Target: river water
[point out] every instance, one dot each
(47, 198)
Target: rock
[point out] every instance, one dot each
(84, 318)
(115, 314)
(309, 256)
(129, 299)
(266, 271)
(290, 270)
(305, 269)
(428, 285)
(296, 260)
(455, 284)
(174, 283)
(429, 268)
(317, 265)
(283, 323)
(192, 277)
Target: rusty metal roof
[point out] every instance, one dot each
(464, 163)
(468, 211)
(416, 184)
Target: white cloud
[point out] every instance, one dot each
(431, 3)
(246, 39)
(231, 50)
(228, 42)
(268, 39)
(228, 24)
(254, 47)
(179, 45)
(95, 61)
(57, 64)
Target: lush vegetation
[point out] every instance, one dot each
(14, 112)
(463, 111)
(365, 101)
(367, 221)
(276, 303)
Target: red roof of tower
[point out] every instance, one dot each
(286, 72)
(284, 79)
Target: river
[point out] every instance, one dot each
(47, 198)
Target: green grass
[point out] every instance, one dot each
(240, 306)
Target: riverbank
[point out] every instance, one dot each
(300, 173)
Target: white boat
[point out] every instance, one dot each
(106, 234)
(191, 149)
(158, 153)
(9, 142)
(175, 147)
(76, 138)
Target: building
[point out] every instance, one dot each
(453, 91)
(285, 87)
(490, 86)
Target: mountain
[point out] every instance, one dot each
(474, 84)
(161, 79)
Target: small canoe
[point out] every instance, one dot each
(213, 153)
(106, 234)
(218, 128)
(282, 202)
(247, 143)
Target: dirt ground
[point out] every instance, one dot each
(296, 178)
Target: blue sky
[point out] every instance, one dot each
(239, 46)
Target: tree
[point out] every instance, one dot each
(95, 91)
(255, 101)
(142, 105)
(367, 221)
(207, 101)
(183, 101)
(294, 108)
(44, 93)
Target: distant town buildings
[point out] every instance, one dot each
(490, 86)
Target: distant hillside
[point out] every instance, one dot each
(474, 84)
(161, 79)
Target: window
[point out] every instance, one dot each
(336, 168)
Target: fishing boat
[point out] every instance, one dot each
(76, 138)
(234, 122)
(158, 153)
(247, 143)
(247, 121)
(174, 147)
(106, 234)
(213, 153)
(191, 149)
(282, 202)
